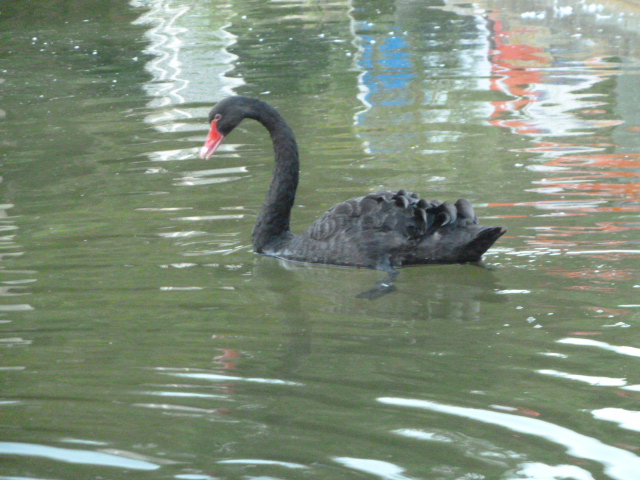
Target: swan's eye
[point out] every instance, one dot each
(217, 117)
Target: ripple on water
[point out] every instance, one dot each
(72, 455)
(618, 463)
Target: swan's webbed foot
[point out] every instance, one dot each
(383, 287)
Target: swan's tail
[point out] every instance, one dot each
(455, 244)
(484, 239)
(451, 234)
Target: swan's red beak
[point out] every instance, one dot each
(214, 139)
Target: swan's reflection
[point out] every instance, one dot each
(441, 292)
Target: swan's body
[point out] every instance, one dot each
(382, 230)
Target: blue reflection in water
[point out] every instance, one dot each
(388, 71)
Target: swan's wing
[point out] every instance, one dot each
(388, 229)
(399, 213)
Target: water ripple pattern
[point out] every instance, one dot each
(190, 63)
(618, 464)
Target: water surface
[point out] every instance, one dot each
(140, 336)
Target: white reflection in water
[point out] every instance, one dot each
(632, 351)
(189, 44)
(540, 471)
(202, 177)
(422, 435)
(217, 171)
(210, 217)
(194, 182)
(602, 252)
(195, 476)
(8, 247)
(166, 67)
(618, 464)
(485, 451)
(177, 409)
(179, 265)
(14, 341)
(189, 41)
(189, 234)
(22, 307)
(180, 289)
(596, 381)
(374, 467)
(263, 462)
(72, 455)
(479, 449)
(83, 441)
(187, 395)
(225, 378)
(625, 418)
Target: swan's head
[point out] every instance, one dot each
(224, 117)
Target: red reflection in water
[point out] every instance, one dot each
(608, 312)
(604, 274)
(515, 71)
(550, 99)
(521, 70)
(602, 227)
(578, 183)
(633, 395)
(542, 105)
(629, 160)
(589, 288)
(226, 359)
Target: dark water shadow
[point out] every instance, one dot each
(411, 291)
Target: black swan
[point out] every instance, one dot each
(383, 230)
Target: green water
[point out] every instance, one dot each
(140, 337)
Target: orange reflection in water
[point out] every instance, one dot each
(628, 160)
(609, 177)
(515, 71)
(581, 181)
(555, 101)
(619, 274)
(608, 312)
(546, 101)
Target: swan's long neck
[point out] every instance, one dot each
(273, 222)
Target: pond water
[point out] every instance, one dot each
(140, 337)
